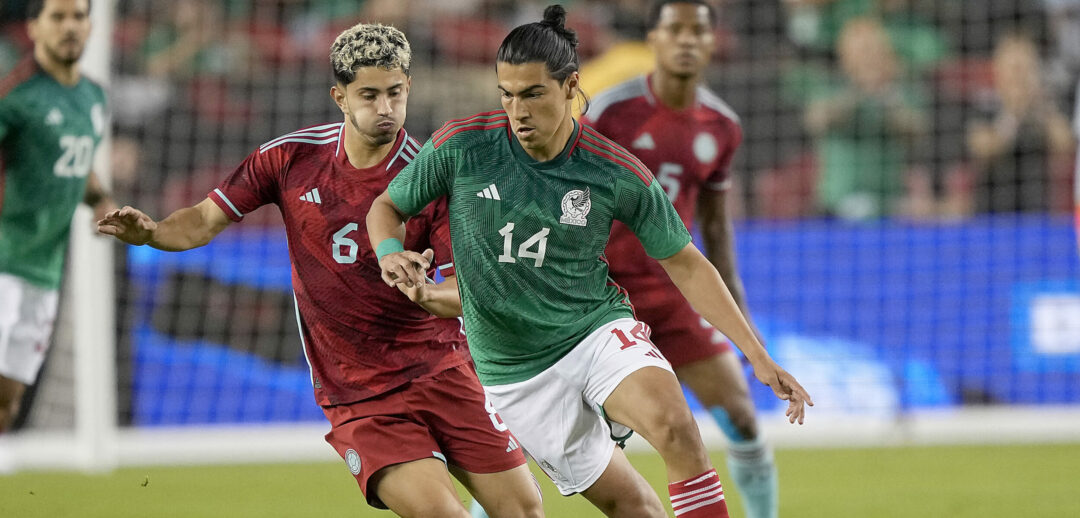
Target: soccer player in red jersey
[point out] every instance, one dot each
(687, 136)
(395, 382)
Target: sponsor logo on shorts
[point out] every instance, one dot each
(552, 472)
(353, 460)
(513, 445)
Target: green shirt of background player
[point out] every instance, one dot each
(553, 344)
(51, 122)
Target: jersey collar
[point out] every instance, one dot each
(343, 157)
(523, 156)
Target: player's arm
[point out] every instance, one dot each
(386, 232)
(441, 300)
(420, 183)
(718, 233)
(184, 229)
(97, 197)
(703, 287)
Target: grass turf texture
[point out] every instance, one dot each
(961, 481)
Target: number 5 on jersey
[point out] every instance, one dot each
(538, 239)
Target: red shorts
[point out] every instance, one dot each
(444, 415)
(677, 330)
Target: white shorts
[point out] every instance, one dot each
(558, 415)
(27, 313)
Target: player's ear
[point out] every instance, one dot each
(31, 29)
(573, 84)
(337, 93)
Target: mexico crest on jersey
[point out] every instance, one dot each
(575, 206)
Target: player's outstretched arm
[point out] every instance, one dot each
(184, 229)
(702, 286)
(386, 231)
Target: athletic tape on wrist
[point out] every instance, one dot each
(388, 246)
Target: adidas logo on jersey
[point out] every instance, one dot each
(489, 192)
(645, 141)
(312, 196)
(513, 445)
(55, 117)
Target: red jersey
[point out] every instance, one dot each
(361, 337)
(688, 150)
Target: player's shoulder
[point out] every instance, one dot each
(712, 103)
(627, 94)
(404, 151)
(97, 89)
(19, 77)
(610, 156)
(318, 138)
(483, 125)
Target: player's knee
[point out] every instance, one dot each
(641, 502)
(743, 420)
(436, 509)
(671, 425)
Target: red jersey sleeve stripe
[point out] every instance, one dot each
(606, 143)
(497, 124)
(613, 158)
(451, 127)
(226, 205)
(478, 118)
(324, 130)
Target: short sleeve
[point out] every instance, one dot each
(720, 177)
(439, 238)
(650, 215)
(254, 183)
(426, 178)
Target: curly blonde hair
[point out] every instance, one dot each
(369, 45)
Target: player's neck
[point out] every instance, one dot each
(557, 143)
(362, 153)
(673, 91)
(67, 75)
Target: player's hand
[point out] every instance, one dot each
(408, 268)
(787, 388)
(129, 225)
(103, 208)
(419, 292)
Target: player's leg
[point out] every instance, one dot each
(719, 383)
(27, 313)
(569, 439)
(622, 491)
(420, 489)
(502, 493)
(392, 454)
(479, 449)
(705, 361)
(11, 393)
(638, 388)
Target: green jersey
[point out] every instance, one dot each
(528, 237)
(48, 135)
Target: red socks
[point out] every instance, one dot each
(698, 497)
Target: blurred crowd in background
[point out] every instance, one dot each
(851, 109)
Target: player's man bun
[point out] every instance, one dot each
(369, 45)
(548, 41)
(555, 18)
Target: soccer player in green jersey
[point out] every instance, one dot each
(532, 196)
(51, 122)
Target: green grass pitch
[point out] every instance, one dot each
(954, 482)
